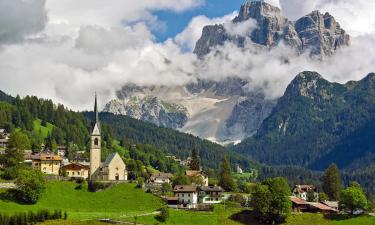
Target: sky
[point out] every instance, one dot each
(176, 22)
(66, 50)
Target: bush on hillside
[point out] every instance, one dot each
(30, 185)
(31, 217)
(95, 186)
(164, 215)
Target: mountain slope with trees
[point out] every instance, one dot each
(170, 141)
(317, 123)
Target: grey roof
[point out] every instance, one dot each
(109, 159)
(185, 188)
(211, 188)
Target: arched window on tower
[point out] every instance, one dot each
(96, 142)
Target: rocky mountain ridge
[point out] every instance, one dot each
(320, 34)
(228, 111)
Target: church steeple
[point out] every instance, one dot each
(96, 110)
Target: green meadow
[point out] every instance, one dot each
(125, 202)
(120, 200)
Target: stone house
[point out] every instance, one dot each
(4, 138)
(76, 170)
(210, 194)
(187, 196)
(301, 191)
(46, 162)
(197, 175)
(160, 178)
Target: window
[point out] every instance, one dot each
(67, 173)
(72, 173)
(96, 142)
(78, 173)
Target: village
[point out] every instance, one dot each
(198, 195)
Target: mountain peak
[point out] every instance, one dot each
(308, 84)
(308, 76)
(257, 10)
(318, 34)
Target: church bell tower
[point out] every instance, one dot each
(95, 149)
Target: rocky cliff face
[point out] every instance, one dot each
(228, 110)
(150, 109)
(222, 111)
(320, 34)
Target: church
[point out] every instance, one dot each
(113, 168)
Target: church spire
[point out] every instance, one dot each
(96, 110)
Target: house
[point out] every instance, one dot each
(210, 194)
(187, 196)
(113, 168)
(4, 138)
(301, 191)
(47, 162)
(300, 205)
(62, 151)
(160, 178)
(238, 169)
(332, 204)
(186, 162)
(197, 177)
(76, 170)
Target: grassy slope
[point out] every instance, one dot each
(120, 200)
(42, 130)
(223, 217)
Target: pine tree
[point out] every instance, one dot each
(194, 164)
(225, 178)
(332, 182)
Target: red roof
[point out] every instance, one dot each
(297, 201)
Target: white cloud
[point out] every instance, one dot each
(357, 17)
(112, 13)
(91, 45)
(93, 39)
(272, 70)
(240, 29)
(20, 19)
(190, 35)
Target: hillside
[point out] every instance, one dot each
(317, 123)
(169, 140)
(45, 121)
(120, 200)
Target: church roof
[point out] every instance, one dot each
(96, 130)
(109, 159)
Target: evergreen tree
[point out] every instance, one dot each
(332, 182)
(226, 180)
(194, 164)
(18, 142)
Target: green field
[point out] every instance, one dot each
(42, 130)
(233, 216)
(120, 200)
(125, 201)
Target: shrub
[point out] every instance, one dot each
(140, 182)
(164, 215)
(30, 217)
(30, 185)
(95, 186)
